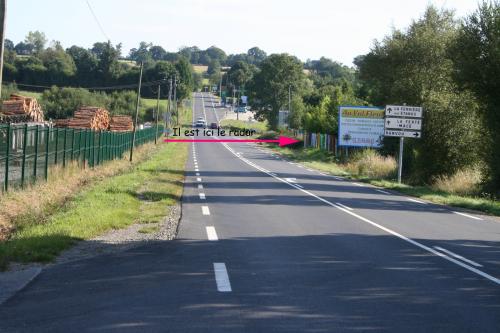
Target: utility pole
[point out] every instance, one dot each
(175, 100)
(169, 111)
(237, 102)
(220, 89)
(137, 104)
(400, 159)
(3, 14)
(289, 97)
(157, 112)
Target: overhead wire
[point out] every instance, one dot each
(97, 21)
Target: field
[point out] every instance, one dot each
(201, 69)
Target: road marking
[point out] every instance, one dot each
(203, 105)
(197, 173)
(200, 187)
(221, 277)
(339, 178)
(389, 231)
(205, 210)
(291, 180)
(198, 179)
(458, 256)
(310, 170)
(272, 173)
(196, 169)
(299, 186)
(417, 201)
(344, 206)
(358, 184)
(382, 191)
(467, 215)
(202, 196)
(212, 234)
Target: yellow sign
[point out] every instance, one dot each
(363, 113)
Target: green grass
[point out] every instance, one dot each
(255, 125)
(201, 69)
(326, 162)
(143, 194)
(36, 95)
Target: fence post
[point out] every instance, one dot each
(64, 147)
(35, 160)
(25, 143)
(57, 146)
(47, 154)
(99, 148)
(6, 180)
(72, 143)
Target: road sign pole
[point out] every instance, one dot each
(400, 164)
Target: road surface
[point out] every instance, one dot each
(266, 245)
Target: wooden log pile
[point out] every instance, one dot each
(61, 123)
(89, 117)
(121, 123)
(22, 108)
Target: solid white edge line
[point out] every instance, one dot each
(394, 233)
(211, 234)
(467, 215)
(344, 206)
(382, 191)
(202, 196)
(298, 185)
(205, 210)
(358, 184)
(221, 277)
(417, 201)
(458, 256)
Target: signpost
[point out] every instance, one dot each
(403, 122)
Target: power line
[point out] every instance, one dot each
(97, 20)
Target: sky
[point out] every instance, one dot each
(308, 29)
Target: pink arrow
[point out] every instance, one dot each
(283, 140)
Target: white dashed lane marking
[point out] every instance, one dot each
(212, 234)
(221, 277)
(205, 210)
(202, 196)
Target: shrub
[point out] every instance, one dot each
(462, 182)
(369, 163)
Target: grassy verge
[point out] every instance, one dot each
(255, 125)
(326, 162)
(45, 221)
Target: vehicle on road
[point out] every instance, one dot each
(213, 125)
(200, 123)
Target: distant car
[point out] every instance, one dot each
(200, 119)
(213, 125)
(200, 123)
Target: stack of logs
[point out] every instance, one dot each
(121, 124)
(88, 117)
(21, 108)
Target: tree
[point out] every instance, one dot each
(476, 56)
(185, 77)
(23, 48)
(86, 64)
(240, 74)
(255, 55)
(270, 86)
(414, 67)
(107, 56)
(157, 53)
(8, 45)
(141, 54)
(37, 39)
(60, 65)
(216, 53)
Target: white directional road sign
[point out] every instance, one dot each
(402, 123)
(403, 133)
(403, 111)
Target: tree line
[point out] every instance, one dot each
(448, 65)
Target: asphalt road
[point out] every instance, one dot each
(266, 245)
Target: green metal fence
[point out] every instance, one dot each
(27, 152)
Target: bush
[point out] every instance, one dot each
(462, 182)
(369, 163)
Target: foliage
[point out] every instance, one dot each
(414, 67)
(369, 163)
(270, 86)
(476, 55)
